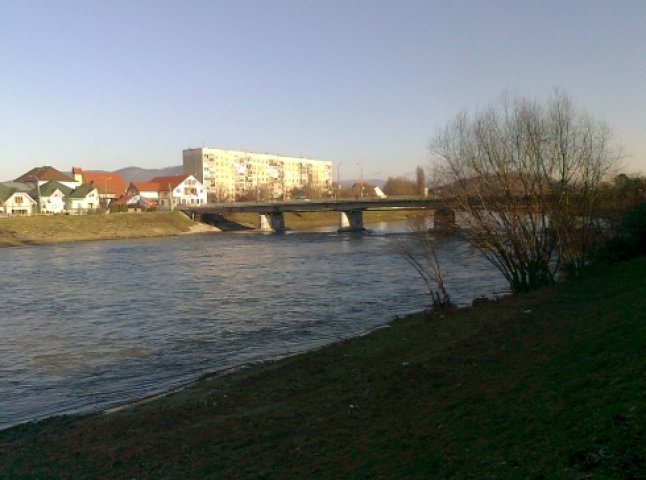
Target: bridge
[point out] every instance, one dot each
(271, 216)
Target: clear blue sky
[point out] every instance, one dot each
(114, 83)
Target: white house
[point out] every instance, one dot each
(179, 190)
(51, 197)
(84, 199)
(16, 202)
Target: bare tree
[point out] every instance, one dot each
(420, 251)
(219, 192)
(526, 179)
(399, 186)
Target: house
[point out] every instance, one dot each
(41, 175)
(132, 203)
(51, 197)
(16, 202)
(147, 190)
(179, 190)
(109, 184)
(84, 199)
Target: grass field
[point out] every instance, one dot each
(70, 228)
(544, 385)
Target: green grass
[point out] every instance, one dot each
(543, 385)
(69, 228)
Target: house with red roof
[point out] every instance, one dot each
(179, 190)
(147, 190)
(110, 185)
(170, 192)
(132, 203)
(41, 175)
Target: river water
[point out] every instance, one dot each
(87, 326)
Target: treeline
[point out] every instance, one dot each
(403, 186)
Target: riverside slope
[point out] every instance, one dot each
(45, 229)
(16, 231)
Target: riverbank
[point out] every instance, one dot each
(38, 230)
(543, 385)
(47, 229)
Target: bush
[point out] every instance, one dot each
(630, 240)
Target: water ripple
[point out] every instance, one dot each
(91, 325)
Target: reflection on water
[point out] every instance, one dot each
(90, 325)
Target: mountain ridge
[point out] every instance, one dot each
(138, 174)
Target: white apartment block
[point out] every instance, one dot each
(231, 174)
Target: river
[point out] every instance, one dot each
(86, 326)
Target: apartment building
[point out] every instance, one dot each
(231, 174)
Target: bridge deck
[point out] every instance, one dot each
(314, 206)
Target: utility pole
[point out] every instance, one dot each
(338, 181)
(360, 181)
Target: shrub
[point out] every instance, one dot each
(630, 239)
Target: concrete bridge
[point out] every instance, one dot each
(271, 216)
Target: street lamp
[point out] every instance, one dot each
(338, 180)
(360, 181)
(105, 190)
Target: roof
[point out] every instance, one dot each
(82, 191)
(122, 200)
(133, 200)
(105, 182)
(6, 192)
(146, 186)
(22, 187)
(173, 181)
(45, 173)
(47, 189)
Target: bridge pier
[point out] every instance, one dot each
(351, 221)
(444, 219)
(272, 222)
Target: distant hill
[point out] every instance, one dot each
(136, 174)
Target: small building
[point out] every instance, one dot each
(85, 199)
(132, 203)
(16, 202)
(147, 190)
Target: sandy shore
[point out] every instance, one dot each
(201, 228)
